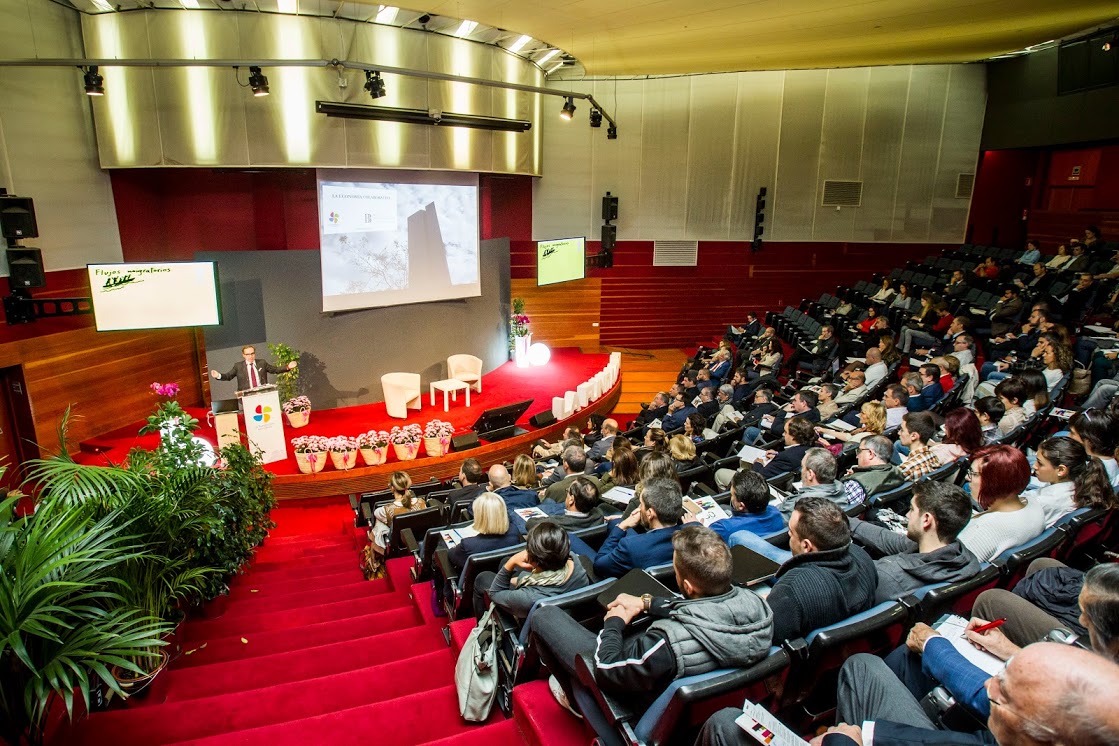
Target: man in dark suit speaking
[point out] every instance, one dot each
(249, 373)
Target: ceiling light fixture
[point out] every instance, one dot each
(420, 116)
(568, 109)
(94, 83)
(520, 44)
(387, 14)
(374, 84)
(103, 5)
(466, 28)
(612, 132)
(258, 81)
(547, 57)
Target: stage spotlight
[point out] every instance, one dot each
(374, 84)
(596, 118)
(612, 132)
(94, 83)
(568, 109)
(258, 81)
(539, 354)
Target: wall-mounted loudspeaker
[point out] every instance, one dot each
(25, 269)
(543, 419)
(465, 441)
(609, 237)
(609, 207)
(17, 217)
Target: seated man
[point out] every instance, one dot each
(725, 410)
(514, 497)
(582, 507)
(896, 401)
(715, 625)
(917, 429)
(802, 405)
(472, 481)
(678, 411)
(826, 404)
(827, 578)
(574, 466)
(817, 474)
(914, 387)
(815, 355)
(929, 552)
(608, 430)
(750, 508)
(708, 404)
(872, 473)
(654, 410)
(799, 434)
(658, 514)
(876, 369)
(853, 390)
(1049, 694)
(931, 390)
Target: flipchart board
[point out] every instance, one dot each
(264, 425)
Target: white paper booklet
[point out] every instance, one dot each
(705, 509)
(526, 513)
(952, 627)
(750, 454)
(454, 536)
(619, 495)
(764, 727)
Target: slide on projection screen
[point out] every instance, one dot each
(394, 237)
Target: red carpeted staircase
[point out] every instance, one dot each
(305, 651)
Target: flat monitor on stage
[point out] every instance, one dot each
(499, 423)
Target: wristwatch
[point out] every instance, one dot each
(646, 601)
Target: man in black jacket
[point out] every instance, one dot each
(827, 579)
(816, 354)
(714, 625)
(654, 410)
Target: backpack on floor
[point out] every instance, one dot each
(476, 669)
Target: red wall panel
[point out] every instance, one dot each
(1004, 189)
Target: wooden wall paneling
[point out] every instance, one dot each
(103, 377)
(563, 315)
(1052, 228)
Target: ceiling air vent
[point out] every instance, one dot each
(842, 193)
(675, 253)
(964, 184)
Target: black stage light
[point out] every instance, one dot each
(94, 83)
(375, 84)
(568, 109)
(612, 132)
(258, 81)
(596, 118)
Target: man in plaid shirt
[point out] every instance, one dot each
(917, 429)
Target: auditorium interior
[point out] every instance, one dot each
(761, 205)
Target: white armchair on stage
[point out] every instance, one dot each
(466, 368)
(402, 392)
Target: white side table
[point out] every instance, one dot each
(450, 386)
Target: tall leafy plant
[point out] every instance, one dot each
(63, 618)
(287, 382)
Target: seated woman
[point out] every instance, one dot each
(904, 301)
(491, 521)
(1012, 393)
(865, 325)
(545, 567)
(655, 442)
(1098, 431)
(1072, 478)
(682, 450)
(403, 501)
(623, 469)
(694, 426)
(1061, 258)
(768, 362)
(998, 475)
(1037, 391)
(872, 416)
(963, 436)
(885, 293)
(524, 473)
(889, 349)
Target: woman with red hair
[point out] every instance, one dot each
(998, 475)
(963, 436)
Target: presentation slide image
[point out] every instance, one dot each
(366, 209)
(432, 244)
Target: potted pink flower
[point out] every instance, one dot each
(374, 447)
(310, 453)
(298, 411)
(343, 451)
(406, 441)
(437, 438)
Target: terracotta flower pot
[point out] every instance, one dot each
(375, 456)
(406, 451)
(299, 419)
(437, 447)
(344, 460)
(311, 463)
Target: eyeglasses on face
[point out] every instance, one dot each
(972, 473)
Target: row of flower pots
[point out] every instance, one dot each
(313, 451)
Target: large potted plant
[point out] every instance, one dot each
(374, 447)
(298, 411)
(520, 338)
(343, 451)
(310, 453)
(437, 438)
(406, 441)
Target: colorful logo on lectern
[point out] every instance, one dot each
(263, 413)
(335, 217)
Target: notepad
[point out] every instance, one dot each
(705, 509)
(840, 425)
(952, 628)
(750, 454)
(619, 495)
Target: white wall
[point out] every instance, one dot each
(692, 152)
(47, 147)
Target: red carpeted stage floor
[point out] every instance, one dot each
(504, 385)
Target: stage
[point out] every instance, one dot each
(506, 384)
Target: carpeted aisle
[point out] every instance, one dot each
(305, 652)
